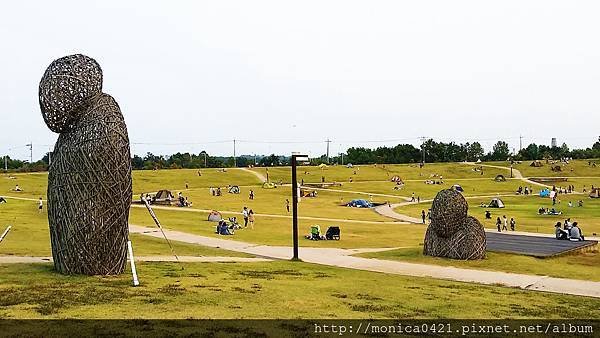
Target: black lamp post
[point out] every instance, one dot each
(295, 160)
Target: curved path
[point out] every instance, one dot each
(388, 211)
(342, 258)
(260, 176)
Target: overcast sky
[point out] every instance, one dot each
(201, 73)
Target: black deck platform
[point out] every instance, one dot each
(532, 245)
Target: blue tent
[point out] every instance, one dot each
(360, 204)
(545, 193)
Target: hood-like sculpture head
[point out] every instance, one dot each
(67, 87)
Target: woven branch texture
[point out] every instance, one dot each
(451, 233)
(89, 183)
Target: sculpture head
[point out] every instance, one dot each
(67, 87)
(448, 212)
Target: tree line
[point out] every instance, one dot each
(430, 151)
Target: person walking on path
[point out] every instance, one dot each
(504, 223)
(498, 224)
(245, 215)
(287, 205)
(251, 218)
(412, 199)
(40, 205)
(251, 196)
(423, 215)
(512, 224)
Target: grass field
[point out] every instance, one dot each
(282, 289)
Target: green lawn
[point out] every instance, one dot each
(29, 236)
(283, 289)
(279, 289)
(379, 173)
(574, 168)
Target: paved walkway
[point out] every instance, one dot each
(194, 259)
(342, 258)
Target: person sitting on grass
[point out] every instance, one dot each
(560, 233)
(17, 188)
(580, 203)
(575, 233)
(223, 229)
(2, 200)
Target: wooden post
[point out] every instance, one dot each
(5, 232)
(136, 282)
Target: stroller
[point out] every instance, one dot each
(315, 233)
(332, 233)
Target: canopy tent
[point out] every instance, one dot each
(349, 165)
(500, 178)
(234, 189)
(163, 197)
(458, 188)
(478, 161)
(360, 204)
(595, 193)
(545, 192)
(496, 203)
(215, 216)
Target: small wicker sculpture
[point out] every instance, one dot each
(452, 233)
(89, 184)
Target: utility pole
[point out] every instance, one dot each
(520, 142)
(328, 141)
(423, 149)
(30, 145)
(234, 157)
(49, 157)
(205, 163)
(5, 162)
(342, 158)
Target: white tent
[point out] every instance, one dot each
(496, 203)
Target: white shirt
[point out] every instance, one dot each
(245, 213)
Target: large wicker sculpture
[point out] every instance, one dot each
(452, 233)
(89, 184)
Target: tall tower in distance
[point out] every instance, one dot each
(553, 143)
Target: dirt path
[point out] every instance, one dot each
(260, 176)
(342, 258)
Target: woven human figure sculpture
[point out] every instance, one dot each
(452, 233)
(89, 181)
